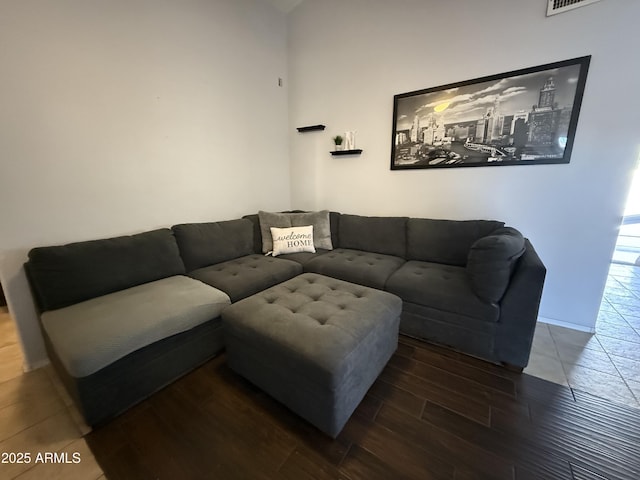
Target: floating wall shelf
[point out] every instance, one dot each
(347, 152)
(311, 128)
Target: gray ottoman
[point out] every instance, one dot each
(314, 343)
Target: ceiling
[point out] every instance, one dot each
(284, 5)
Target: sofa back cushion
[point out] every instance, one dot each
(491, 261)
(386, 235)
(445, 241)
(204, 244)
(66, 274)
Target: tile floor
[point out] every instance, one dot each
(606, 363)
(37, 416)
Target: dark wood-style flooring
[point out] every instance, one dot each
(432, 414)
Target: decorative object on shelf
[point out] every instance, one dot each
(310, 128)
(490, 120)
(357, 151)
(338, 142)
(350, 140)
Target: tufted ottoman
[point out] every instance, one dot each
(314, 343)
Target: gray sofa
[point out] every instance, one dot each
(149, 305)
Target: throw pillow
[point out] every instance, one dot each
(321, 227)
(319, 220)
(268, 220)
(292, 240)
(491, 261)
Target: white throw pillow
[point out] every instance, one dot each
(292, 240)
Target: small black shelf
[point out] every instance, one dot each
(347, 152)
(311, 128)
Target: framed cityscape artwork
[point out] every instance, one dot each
(523, 117)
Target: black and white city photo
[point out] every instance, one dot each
(526, 116)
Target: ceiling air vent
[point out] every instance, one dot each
(559, 6)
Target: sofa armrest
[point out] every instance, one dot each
(519, 310)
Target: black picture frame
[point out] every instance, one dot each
(522, 117)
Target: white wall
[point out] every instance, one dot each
(348, 58)
(121, 116)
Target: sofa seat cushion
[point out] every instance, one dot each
(442, 287)
(247, 275)
(364, 268)
(93, 334)
(303, 257)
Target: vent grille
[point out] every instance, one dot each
(558, 6)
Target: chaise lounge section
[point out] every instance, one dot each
(120, 319)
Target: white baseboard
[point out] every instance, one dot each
(573, 326)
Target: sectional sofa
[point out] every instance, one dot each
(122, 317)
